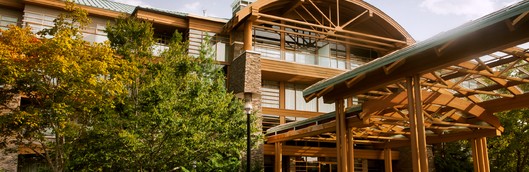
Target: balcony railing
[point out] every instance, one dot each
(307, 58)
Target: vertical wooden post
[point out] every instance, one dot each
(413, 127)
(278, 157)
(485, 154)
(248, 35)
(421, 133)
(347, 57)
(350, 151)
(475, 159)
(282, 41)
(480, 154)
(341, 135)
(388, 164)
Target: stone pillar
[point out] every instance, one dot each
(405, 159)
(9, 155)
(244, 78)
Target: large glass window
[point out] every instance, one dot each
(294, 98)
(270, 94)
(217, 44)
(6, 21)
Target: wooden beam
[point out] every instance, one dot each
(353, 19)
(421, 133)
(372, 107)
(504, 104)
(292, 6)
(390, 68)
(330, 28)
(325, 91)
(278, 163)
(519, 18)
(341, 135)
(248, 33)
(269, 149)
(413, 126)
(449, 137)
(322, 14)
(350, 83)
(388, 165)
(487, 74)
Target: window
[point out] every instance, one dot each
(6, 21)
(270, 94)
(38, 21)
(294, 98)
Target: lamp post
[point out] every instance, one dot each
(248, 109)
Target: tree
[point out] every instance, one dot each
(181, 116)
(453, 156)
(510, 152)
(64, 81)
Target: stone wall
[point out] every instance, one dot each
(9, 155)
(405, 163)
(245, 77)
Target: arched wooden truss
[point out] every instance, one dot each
(352, 23)
(444, 89)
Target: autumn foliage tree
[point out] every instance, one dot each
(63, 81)
(178, 117)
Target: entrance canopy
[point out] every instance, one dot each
(461, 77)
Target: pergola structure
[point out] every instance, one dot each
(444, 89)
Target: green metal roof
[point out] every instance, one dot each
(323, 117)
(108, 5)
(176, 13)
(472, 26)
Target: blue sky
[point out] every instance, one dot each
(421, 18)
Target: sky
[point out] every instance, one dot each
(421, 18)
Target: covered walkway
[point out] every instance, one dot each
(444, 89)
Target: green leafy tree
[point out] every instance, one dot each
(453, 156)
(180, 118)
(510, 152)
(64, 82)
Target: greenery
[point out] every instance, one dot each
(63, 81)
(179, 115)
(453, 156)
(510, 152)
(114, 106)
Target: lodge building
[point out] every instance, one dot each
(273, 50)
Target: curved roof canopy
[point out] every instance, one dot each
(464, 76)
(350, 22)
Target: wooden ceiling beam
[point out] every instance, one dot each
(329, 28)
(482, 73)
(317, 37)
(353, 19)
(373, 107)
(322, 14)
(449, 137)
(503, 104)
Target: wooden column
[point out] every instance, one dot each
(485, 154)
(341, 135)
(350, 151)
(388, 164)
(282, 41)
(421, 132)
(248, 32)
(278, 163)
(475, 158)
(418, 134)
(413, 127)
(480, 156)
